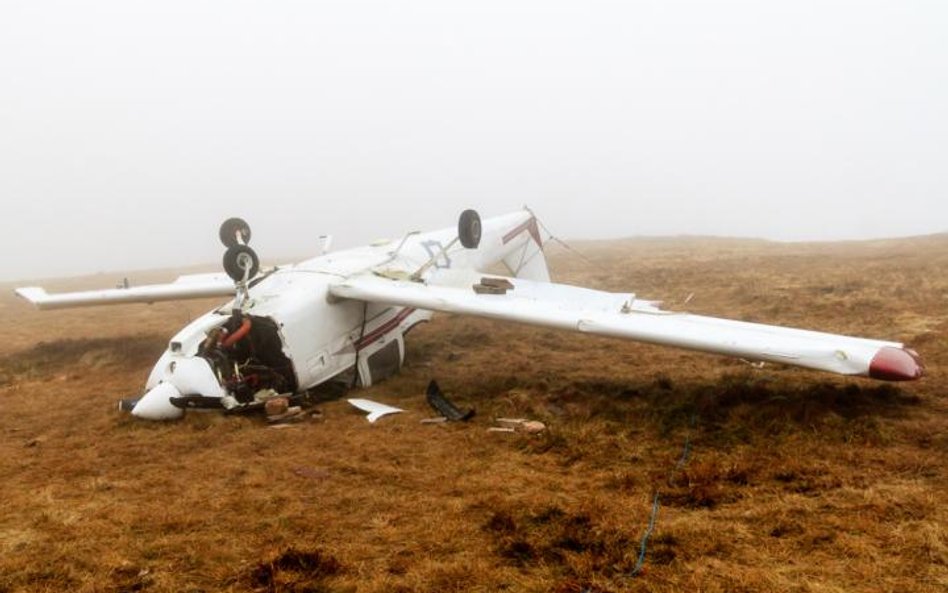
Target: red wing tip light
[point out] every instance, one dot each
(896, 364)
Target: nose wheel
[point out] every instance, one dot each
(235, 231)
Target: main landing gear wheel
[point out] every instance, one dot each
(235, 231)
(469, 229)
(241, 262)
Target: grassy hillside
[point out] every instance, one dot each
(769, 479)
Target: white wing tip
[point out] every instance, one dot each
(34, 294)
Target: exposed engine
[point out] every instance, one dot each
(246, 354)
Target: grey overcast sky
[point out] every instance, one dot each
(129, 129)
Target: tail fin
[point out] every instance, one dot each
(529, 262)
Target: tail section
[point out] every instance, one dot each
(526, 258)
(528, 262)
(512, 239)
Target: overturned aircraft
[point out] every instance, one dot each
(345, 314)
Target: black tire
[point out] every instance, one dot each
(238, 256)
(235, 231)
(469, 229)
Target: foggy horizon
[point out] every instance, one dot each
(130, 130)
(213, 264)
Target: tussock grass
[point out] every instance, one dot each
(794, 480)
(95, 354)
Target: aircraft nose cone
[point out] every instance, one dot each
(156, 404)
(895, 364)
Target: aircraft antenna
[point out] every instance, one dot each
(562, 243)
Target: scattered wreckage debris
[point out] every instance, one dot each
(438, 401)
(280, 409)
(375, 409)
(280, 412)
(292, 414)
(276, 406)
(518, 425)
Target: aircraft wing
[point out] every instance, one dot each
(193, 286)
(623, 316)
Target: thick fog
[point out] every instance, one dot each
(130, 129)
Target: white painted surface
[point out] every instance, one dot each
(375, 409)
(156, 404)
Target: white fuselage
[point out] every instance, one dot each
(323, 336)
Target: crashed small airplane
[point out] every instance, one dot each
(344, 316)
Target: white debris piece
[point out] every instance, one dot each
(513, 424)
(375, 409)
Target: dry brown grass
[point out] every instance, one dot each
(796, 481)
